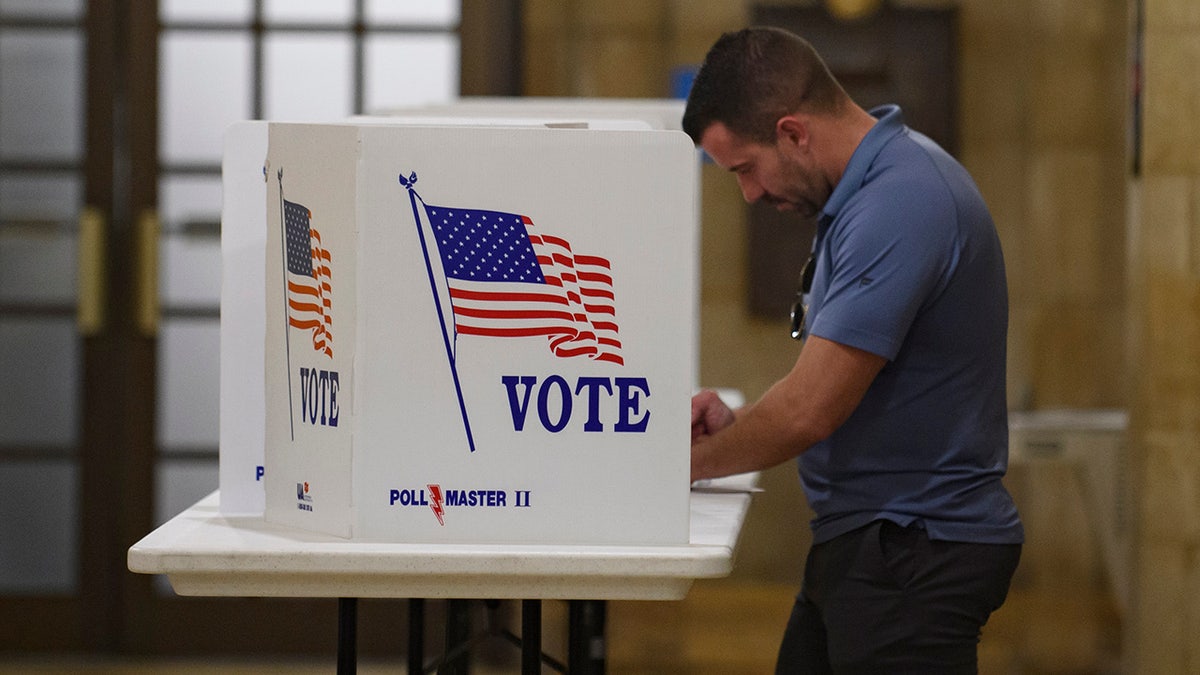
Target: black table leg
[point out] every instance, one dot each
(458, 635)
(531, 637)
(347, 657)
(586, 646)
(416, 636)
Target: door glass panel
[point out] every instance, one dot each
(40, 506)
(190, 255)
(308, 11)
(58, 9)
(37, 265)
(205, 11)
(181, 483)
(40, 198)
(404, 70)
(37, 243)
(308, 76)
(204, 86)
(41, 366)
(42, 107)
(190, 271)
(427, 13)
(188, 201)
(188, 377)
(41, 94)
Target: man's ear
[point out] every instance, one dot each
(791, 130)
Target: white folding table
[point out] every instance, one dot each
(204, 553)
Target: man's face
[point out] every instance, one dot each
(781, 174)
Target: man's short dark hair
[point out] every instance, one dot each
(752, 77)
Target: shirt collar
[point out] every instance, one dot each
(891, 122)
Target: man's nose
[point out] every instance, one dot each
(751, 190)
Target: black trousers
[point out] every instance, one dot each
(886, 599)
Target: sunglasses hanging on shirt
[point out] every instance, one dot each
(800, 306)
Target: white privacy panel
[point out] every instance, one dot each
(37, 265)
(402, 70)
(41, 367)
(39, 530)
(308, 76)
(188, 378)
(204, 86)
(41, 94)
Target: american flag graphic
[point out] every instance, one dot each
(505, 281)
(308, 277)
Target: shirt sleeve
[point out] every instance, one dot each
(887, 259)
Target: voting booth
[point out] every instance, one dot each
(464, 333)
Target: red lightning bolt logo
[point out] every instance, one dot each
(435, 502)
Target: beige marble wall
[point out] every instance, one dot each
(1165, 302)
(1045, 102)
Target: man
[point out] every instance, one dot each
(896, 404)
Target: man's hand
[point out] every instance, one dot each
(807, 405)
(709, 415)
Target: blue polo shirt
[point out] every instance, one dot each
(909, 267)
